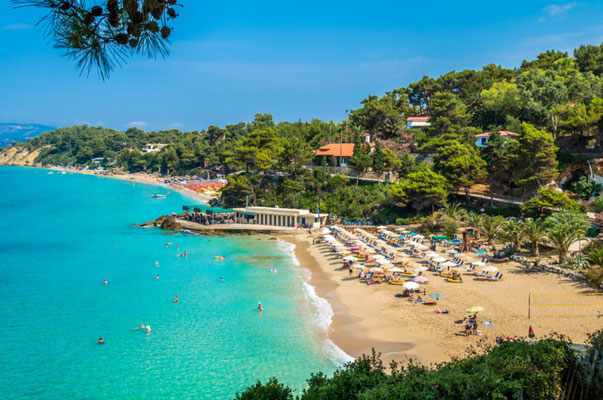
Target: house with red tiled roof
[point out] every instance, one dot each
(336, 153)
(418, 122)
(482, 139)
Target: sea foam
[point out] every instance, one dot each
(322, 311)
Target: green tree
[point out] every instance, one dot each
(564, 229)
(500, 165)
(103, 34)
(379, 160)
(461, 165)
(550, 198)
(271, 390)
(590, 58)
(491, 227)
(536, 233)
(536, 157)
(422, 189)
(586, 188)
(513, 232)
(361, 159)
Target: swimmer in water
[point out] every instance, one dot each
(101, 341)
(148, 329)
(166, 245)
(260, 308)
(221, 279)
(105, 281)
(176, 299)
(157, 264)
(273, 270)
(142, 326)
(157, 276)
(185, 254)
(177, 247)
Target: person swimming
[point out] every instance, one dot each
(142, 326)
(105, 281)
(221, 279)
(260, 308)
(176, 299)
(177, 247)
(101, 341)
(148, 329)
(157, 276)
(157, 264)
(273, 270)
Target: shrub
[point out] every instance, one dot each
(597, 204)
(272, 390)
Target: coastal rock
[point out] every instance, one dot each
(170, 224)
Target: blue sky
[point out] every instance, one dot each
(295, 60)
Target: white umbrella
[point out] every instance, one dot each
(395, 269)
(337, 244)
(439, 259)
(350, 258)
(432, 254)
(490, 269)
(387, 266)
(382, 261)
(420, 246)
(478, 263)
(448, 264)
(411, 285)
(420, 269)
(376, 270)
(419, 236)
(359, 266)
(382, 227)
(379, 257)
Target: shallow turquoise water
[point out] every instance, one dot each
(62, 235)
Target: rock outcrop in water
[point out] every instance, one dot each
(166, 222)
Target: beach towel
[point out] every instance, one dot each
(487, 323)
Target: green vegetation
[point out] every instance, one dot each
(554, 98)
(512, 370)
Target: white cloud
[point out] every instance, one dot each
(556, 9)
(16, 27)
(137, 124)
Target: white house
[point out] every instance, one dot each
(417, 122)
(153, 147)
(283, 217)
(482, 139)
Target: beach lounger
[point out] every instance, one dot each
(498, 277)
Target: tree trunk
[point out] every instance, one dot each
(562, 256)
(535, 249)
(467, 196)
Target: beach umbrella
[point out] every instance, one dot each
(447, 264)
(420, 279)
(439, 259)
(410, 285)
(432, 254)
(478, 263)
(378, 257)
(358, 266)
(456, 241)
(382, 227)
(420, 246)
(337, 244)
(436, 295)
(382, 261)
(420, 269)
(350, 258)
(418, 236)
(376, 270)
(481, 252)
(490, 269)
(395, 269)
(475, 309)
(387, 266)
(412, 234)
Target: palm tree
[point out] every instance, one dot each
(594, 254)
(513, 231)
(454, 211)
(536, 233)
(490, 227)
(561, 241)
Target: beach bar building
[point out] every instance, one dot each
(282, 217)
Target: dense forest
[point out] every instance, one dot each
(554, 103)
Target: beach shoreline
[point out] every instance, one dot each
(370, 317)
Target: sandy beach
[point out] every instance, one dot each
(369, 317)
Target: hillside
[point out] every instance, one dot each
(10, 133)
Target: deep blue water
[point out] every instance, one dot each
(62, 235)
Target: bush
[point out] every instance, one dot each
(505, 211)
(513, 370)
(597, 204)
(272, 390)
(594, 275)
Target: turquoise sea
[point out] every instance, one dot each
(62, 235)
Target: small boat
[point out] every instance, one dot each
(158, 196)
